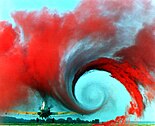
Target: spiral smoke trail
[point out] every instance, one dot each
(52, 53)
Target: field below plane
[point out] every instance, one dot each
(43, 113)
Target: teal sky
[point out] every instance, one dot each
(61, 6)
(9, 6)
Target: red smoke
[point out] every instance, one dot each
(126, 74)
(11, 68)
(32, 60)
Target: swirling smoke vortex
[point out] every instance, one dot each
(49, 53)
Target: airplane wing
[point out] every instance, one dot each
(21, 112)
(36, 113)
(63, 113)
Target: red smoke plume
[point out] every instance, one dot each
(12, 68)
(38, 52)
(31, 53)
